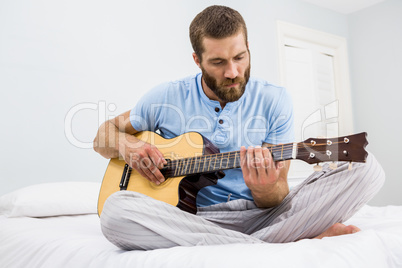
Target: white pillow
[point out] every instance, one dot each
(51, 199)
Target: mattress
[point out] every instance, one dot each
(56, 225)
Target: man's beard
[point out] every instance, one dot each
(224, 93)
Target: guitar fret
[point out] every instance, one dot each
(174, 168)
(191, 166)
(180, 167)
(274, 153)
(204, 160)
(194, 164)
(183, 166)
(206, 165)
(201, 162)
(186, 166)
(177, 167)
(280, 153)
(198, 164)
(209, 165)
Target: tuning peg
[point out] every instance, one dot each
(350, 166)
(333, 165)
(317, 167)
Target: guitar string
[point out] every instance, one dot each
(221, 155)
(276, 149)
(226, 155)
(203, 163)
(171, 169)
(188, 169)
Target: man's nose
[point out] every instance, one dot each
(231, 71)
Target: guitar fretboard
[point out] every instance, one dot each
(220, 161)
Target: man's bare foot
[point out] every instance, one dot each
(338, 229)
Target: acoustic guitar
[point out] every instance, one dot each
(193, 162)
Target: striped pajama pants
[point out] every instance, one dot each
(133, 221)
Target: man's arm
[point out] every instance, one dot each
(266, 179)
(116, 138)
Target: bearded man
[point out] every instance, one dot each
(251, 204)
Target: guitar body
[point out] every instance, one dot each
(178, 191)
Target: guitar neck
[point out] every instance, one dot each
(221, 161)
(312, 151)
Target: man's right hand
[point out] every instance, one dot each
(145, 158)
(116, 138)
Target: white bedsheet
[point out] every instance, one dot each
(77, 241)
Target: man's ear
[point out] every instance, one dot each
(197, 60)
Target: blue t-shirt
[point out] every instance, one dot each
(263, 114)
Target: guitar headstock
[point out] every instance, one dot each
(348, 148)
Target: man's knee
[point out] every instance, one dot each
(371, 175)
(117, 220)
(132, 220)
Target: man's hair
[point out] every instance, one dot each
(216, 22)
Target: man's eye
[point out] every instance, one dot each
(217, 63)
(239, 58)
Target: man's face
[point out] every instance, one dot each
(225, 67)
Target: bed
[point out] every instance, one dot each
(56, 225)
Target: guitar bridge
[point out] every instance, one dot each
(125, 177)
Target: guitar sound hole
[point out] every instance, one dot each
(166, 169)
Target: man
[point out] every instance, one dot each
(249, 205)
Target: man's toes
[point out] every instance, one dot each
(338, 229)
(351, 229)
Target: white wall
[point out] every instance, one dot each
(85, 61)
(376, 68)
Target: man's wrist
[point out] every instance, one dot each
(271, 198)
